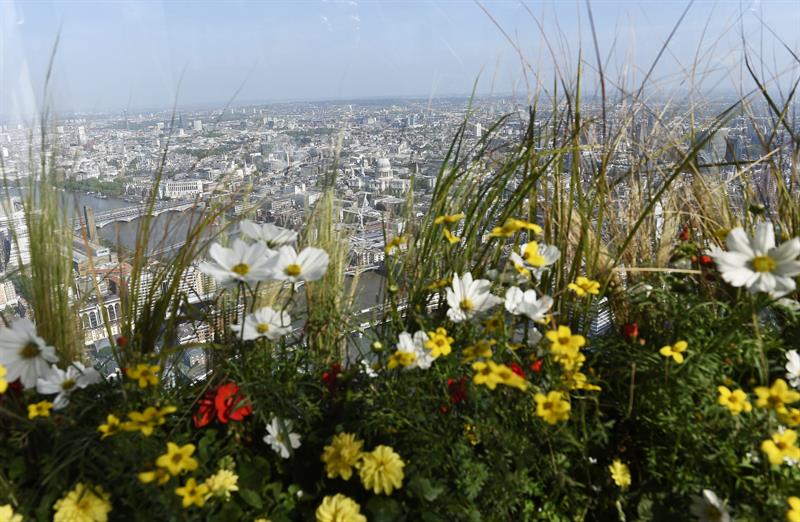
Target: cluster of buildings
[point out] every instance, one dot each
(272, 163)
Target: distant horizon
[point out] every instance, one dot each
(720, 95)
(113, 56)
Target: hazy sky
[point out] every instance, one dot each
(115, 55)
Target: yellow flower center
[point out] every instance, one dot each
(177, 458)
(30, 351)
(564, 340)
(293, 270)
(262, 328)
(763, 264)
(67, 385)
(242, 269)
(466, 304)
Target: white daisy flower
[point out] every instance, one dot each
(280, 437)
(709, 508)
(756, 263)
(24, 354)
(526, 303)
(241, 263)
(793, 368)
(467, 297)
(535, 258)
(264, 322)
(308, 265)
(790, 304)
(76, 376)
(368, 370)
(272, 236)
(416, 344)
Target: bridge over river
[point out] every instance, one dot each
(128, 214)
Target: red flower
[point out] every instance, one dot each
(516, 368)
(536, 367)
(706, 260)
(630, 331)
(331, 378)
(458, 390)
(205, 410)
(225, 403)
(230, 404)
(684, 235)
(122, 341)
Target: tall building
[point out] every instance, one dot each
(198, 125)
(8, 294)
(89, 223)
(14, 237)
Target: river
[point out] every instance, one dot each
(171, 227)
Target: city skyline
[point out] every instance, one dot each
(126, 56)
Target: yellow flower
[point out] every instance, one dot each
(565, 348)
(395, 242)
(485, 374)
(403, 359)
(793, 515)
(192, 493)
(532, 256)
(339, 508)
(620, 474)
(111, 427)
(675, 351)
(147, 420)
(563, 339)
(262, 519)
(511, 226)
(494, 323)
(381, 470)
(83, 504)
(40, 409)
(448, 219)
(552, 407)
(177, 459)
(7, 514)
(146, 375)
(579, 381)
(736, 401)
(506, 375)
(3, 381)
(790, 417)
(584, 286)
(159, 476)
(469, 433)
(222, 483)
(439, 343)
(482, 348)
(450, 237)
(521, 270)
(780, 446)
(776, 397)
(341, 455)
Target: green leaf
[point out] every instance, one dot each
(422, 488)
(206, 441)
(251, 497)
(384, 509)
(253, 473)
(230, 512)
